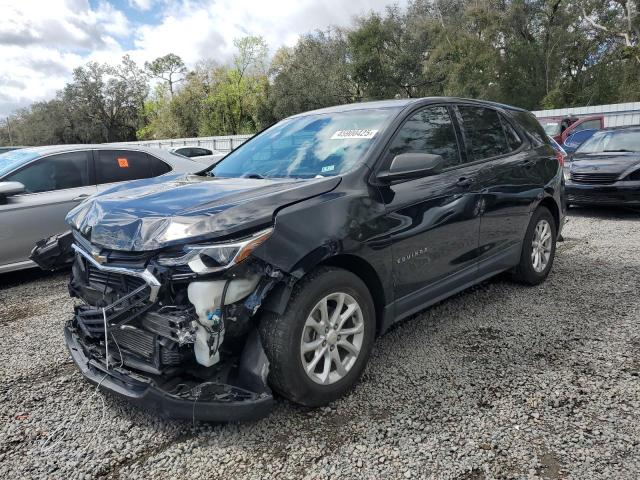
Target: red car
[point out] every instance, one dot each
(559, 128)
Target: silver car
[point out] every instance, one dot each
(39, 185)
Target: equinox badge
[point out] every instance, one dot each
(417, 253)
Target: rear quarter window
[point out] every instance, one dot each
(158, 167)
(531, 127)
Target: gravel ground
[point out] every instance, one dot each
(501, 381)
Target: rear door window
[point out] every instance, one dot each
(430, 130)
(484, 131)
(122, 165)
(55, 172)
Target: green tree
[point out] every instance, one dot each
(169, 68)
(313, 74)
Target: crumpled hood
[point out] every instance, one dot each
(617, 163)
(170, 210)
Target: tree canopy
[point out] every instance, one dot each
(529, 53)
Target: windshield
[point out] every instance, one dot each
(615, 141)
(15, 158)
(325, 144)
(551, 128)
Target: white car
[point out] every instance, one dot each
(205, 156)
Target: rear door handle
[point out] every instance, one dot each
(465, 182)
(81, 197)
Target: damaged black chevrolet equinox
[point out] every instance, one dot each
(278, 267)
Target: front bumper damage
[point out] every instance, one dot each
(211, 401)
(137, 334)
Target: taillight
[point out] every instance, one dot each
(560, 158)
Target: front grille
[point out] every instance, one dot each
(113, 281)
(598, 178)
(91, 319)
(600, 198)
(117, 296)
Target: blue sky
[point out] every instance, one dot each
(44, 40)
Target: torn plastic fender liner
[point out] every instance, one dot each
(54, 252)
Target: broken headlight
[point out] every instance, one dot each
(216, 256)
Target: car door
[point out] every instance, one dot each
(509, 187)
(116, 166)
(434, 221)
(54, 185)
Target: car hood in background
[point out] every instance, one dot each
(614, 163)
(160, 212)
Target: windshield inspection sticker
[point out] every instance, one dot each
(328, 168)
(354, 133)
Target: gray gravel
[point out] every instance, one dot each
(501, 381)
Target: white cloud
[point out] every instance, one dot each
(142, 5)
(43, 41)
(196, 30)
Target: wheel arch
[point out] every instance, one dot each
(552, 206)
(363, 270)
(278, 298)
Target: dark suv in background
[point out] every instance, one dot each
(279, 266)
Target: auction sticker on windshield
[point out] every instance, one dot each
(354, 133)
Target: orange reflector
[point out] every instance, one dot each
(123, 163)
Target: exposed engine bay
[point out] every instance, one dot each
(166, 337)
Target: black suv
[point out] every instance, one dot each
(278, 267)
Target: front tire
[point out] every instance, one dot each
(320, 346)
(538, 248)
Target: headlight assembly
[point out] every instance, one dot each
(216, 256)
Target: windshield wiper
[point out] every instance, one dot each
(253, 175)
(618, 150)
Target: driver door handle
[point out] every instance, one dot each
(465, 182)
(81, 197)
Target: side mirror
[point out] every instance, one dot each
(412, 165)
(7, 189)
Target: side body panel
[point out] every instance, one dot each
(434, 224)
(349, 220)
(31, 217)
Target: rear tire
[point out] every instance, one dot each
(538, 248)
(306, 333)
